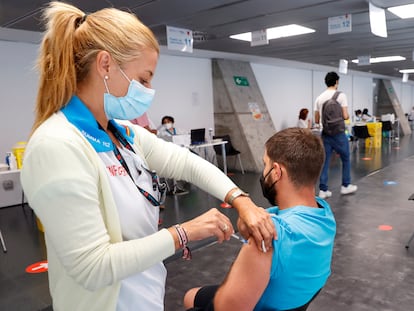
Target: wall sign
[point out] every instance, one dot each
(241, 81)
(339, 24)
(179, 39)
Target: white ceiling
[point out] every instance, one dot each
(212, 21)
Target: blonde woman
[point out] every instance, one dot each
(91, 180)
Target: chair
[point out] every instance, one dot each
(230, 150)
(3, 245)
(407, 245)
(305, 306)
(387, 129)
(360, 132)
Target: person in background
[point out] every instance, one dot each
(338, 143)
(93, 181)
(366, 117)
(358, 115)
(144, 121)
(411, 115)
(292, 273)
(303, 121)
(168, 129)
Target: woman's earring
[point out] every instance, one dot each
(106, 77)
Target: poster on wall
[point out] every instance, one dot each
(255, 111)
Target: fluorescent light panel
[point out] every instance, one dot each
(407, 70)
(403, 11)
(383, 59)
(377, 21)
(276, 32)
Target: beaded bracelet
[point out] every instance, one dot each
(183, 239)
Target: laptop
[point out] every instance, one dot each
(198, 136)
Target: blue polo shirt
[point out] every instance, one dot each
(302, 255)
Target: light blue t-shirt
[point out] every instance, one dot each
(302, 256)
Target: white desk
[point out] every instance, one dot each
(10, 188)
(215, 143)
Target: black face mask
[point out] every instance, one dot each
(269, 191)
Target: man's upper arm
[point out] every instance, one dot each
(317, 117)
(345, 113)
(246, 280)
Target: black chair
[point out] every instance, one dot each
(360, 132)
(230, 150)
(3, 244)
(305, 306)
(387, 129)
(412, 235)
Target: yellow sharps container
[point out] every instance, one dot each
(18, 151)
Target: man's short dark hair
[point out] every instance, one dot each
(300, 151)
(331, 78)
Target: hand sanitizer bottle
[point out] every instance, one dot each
(210, 135)
(12, 161)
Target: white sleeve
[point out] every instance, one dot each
(342, 99)
(172, 161)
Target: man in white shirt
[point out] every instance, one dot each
(338, 142)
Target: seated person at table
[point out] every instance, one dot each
(168, 129)
(358, 115)
(291, 273)
(366, 116)
(303, 121)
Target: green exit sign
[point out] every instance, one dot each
(241, 81)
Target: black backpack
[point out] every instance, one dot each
(332, 117)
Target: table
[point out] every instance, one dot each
(214, 143)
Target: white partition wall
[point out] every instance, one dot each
(183, 86)
(18, 84)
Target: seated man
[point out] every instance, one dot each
(290, 274)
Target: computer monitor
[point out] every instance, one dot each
(198, 136)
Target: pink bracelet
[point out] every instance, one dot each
(183, 240)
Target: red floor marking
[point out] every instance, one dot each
(225, 205)
(384, 227)
(37, 267)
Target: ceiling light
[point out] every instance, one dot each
(277, 32)
(383, 59)
(377, 21)
(405, 77)
(407, 70)
(403, 11)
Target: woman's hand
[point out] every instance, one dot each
(256, 222)
(211, 223)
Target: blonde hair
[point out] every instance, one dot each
(70, 44)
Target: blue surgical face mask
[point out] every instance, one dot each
(133, 105)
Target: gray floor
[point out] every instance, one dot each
(371, 270)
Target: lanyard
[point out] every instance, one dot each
(156, 185)
(173, 132)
